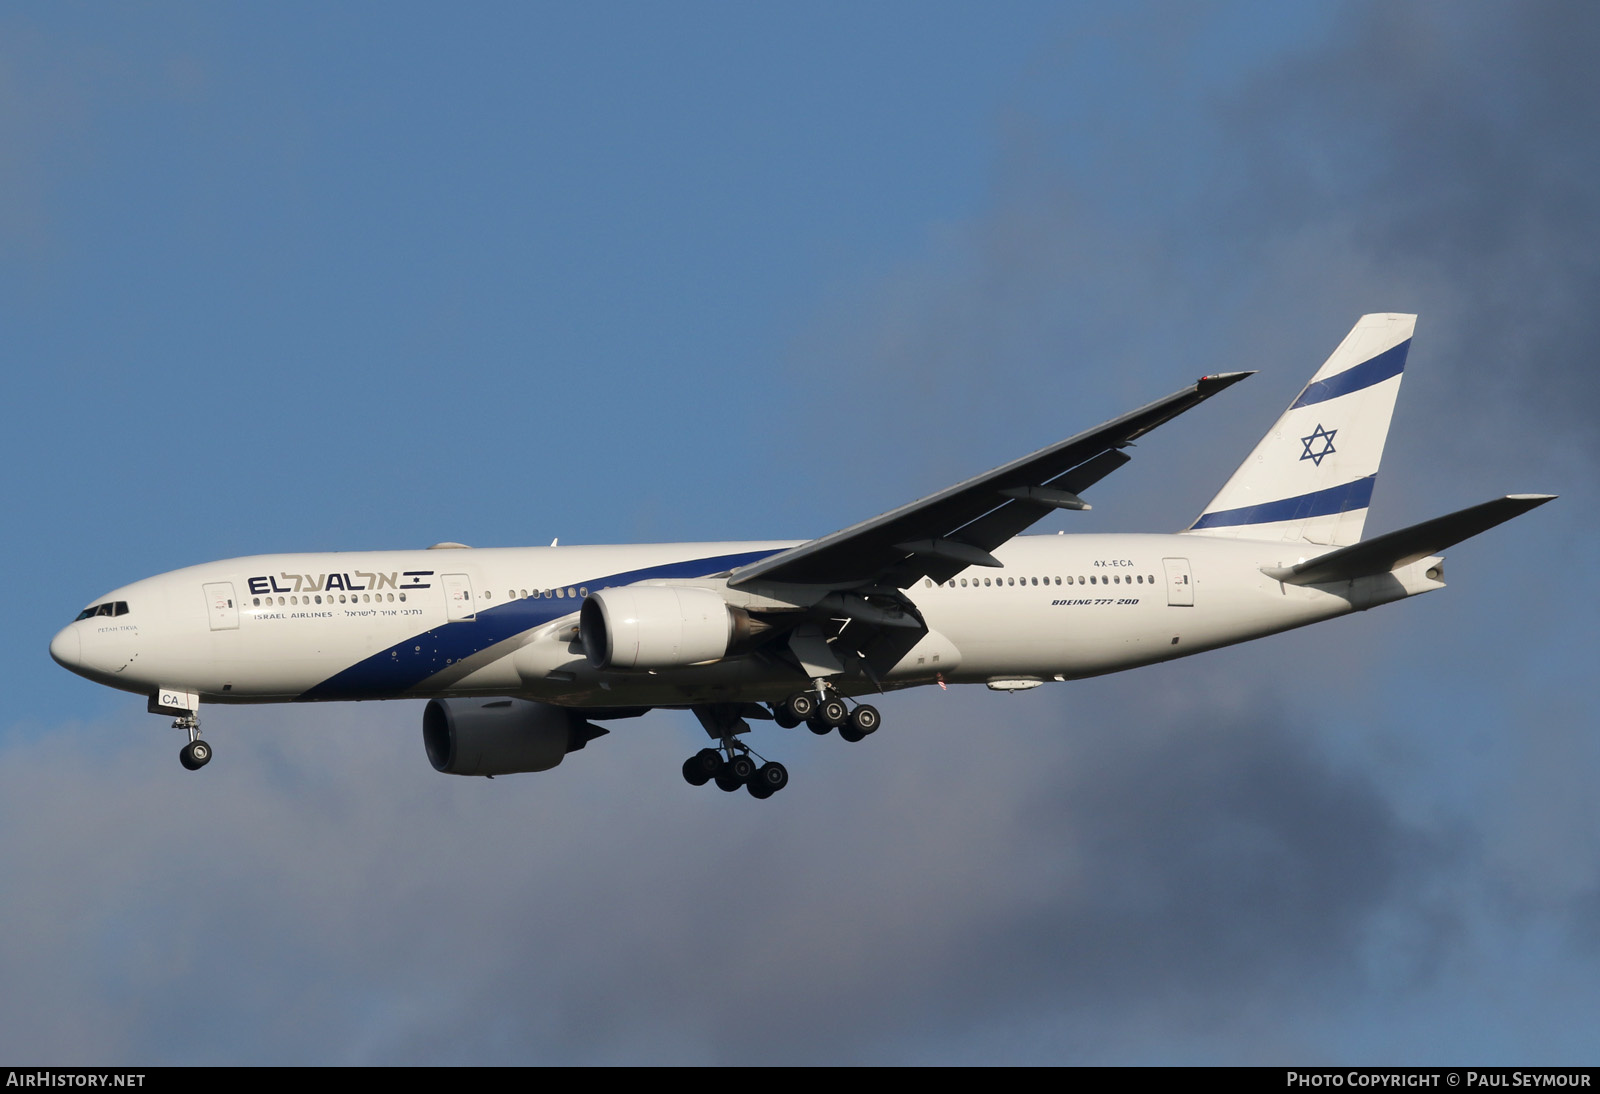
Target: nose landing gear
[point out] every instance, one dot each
(184, 705)
(196, 754)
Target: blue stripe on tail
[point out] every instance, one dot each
(1388, 363)
(1320, 503)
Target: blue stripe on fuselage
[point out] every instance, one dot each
(1375, 371)
(1335, 499)
(406, 664)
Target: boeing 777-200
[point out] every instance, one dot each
(522, 651)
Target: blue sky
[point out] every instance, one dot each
(321, 278)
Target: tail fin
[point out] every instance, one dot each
(1310, 479)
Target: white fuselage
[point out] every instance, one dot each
(502, 621)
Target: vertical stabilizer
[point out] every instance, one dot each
(1310, 479)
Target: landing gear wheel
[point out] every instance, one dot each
(851, 733)
(768, 780)
(702, 767)
(742, 768)
(725, 780)
(800, 706)
(782, 716)
(818, 726)
(834, 712)
(195, 755)
(866, 719)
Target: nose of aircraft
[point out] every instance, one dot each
(67, 648)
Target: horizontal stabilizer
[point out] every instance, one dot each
(1393, 550)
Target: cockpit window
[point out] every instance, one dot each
(110, 607)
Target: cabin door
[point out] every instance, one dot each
(1180, 582)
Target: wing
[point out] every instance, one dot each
(944, 533)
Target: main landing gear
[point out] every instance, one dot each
(196, 754)
(735, 769)
(731, 764)
(823, 714)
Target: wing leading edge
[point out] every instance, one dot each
(944, 533)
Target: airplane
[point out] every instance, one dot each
(521, 651)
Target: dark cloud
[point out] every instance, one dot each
(333, 900)
(1444, 154)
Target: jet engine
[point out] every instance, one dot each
(501, 736)
(661, 626)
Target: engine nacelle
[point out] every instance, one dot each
(501, 736)
(660, 627)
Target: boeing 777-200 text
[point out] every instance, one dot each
(521, 651)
